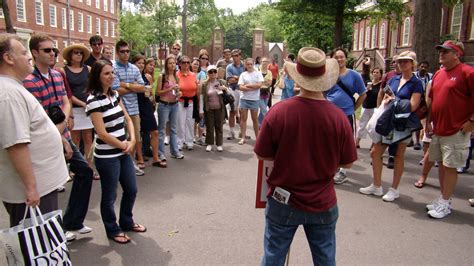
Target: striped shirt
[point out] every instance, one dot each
(113, 117)
(128, 73)
(49, 91)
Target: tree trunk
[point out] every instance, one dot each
(183, 27)
(338, 23)
(8, 19)
(426, 31)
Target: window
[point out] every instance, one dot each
(106, 5)
(64, 44)
(382, 36)
(88, 2)
(406, 32)
(367, 37)
(97, 26)
(97, 4)
(39, 12)
(20, 10)
(374, 36)
(361, 39)
(55, 43)
(354, 44)
(106, 28)
(63, 17)
(1, 13)
(71, 19)
(80, 22)
(52, 16)
(89, 24)
(456, 21)
(113, 28)
(112, 6)
(472, 28)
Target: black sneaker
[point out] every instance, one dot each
(417, 147)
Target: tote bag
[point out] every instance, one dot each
(38, 240)
(373, 122)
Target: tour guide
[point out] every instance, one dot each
(308, 138)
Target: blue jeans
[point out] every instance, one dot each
(78, 203)
(168, 113)
(281, 224)
(112, 171)
(263, 106)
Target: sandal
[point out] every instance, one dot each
(121, 238)
(96, 176)
(161, 164)
(241, 141)
(138, 228)
(419, 184)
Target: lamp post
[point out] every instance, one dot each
(68, 21)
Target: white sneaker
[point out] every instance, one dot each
(83, 230)
(340, 178)
(209, 148)
(70, 236)
(61, 189)
(219, 148)
(435, 204)
(372, 190)
(441, 210)
(138, 171)
(391, 195)
(167, 140)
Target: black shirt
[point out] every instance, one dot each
(371, 100)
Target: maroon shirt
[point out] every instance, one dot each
(308, 140)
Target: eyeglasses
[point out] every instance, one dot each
(48, 50)
(78, 52)
(185, 62)
(205, 58)
(212, 71)
(124, 51)
(176, 49)
(97, 44)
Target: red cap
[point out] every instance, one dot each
(452, 45)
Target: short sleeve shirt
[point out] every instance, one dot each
(413, 85)
(128, 73)
(354, 83)
(24, 120)
(250, 78)
(233, 70)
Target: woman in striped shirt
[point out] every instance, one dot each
(112, 152)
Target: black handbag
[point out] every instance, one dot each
(227, 98)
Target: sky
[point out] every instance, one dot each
(238, 6)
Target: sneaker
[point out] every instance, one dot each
(70, 236)
(471, 202)
(178, 156)
(436, 164)
(189, 147)
(200, 142)
(209, 148)
(441, 210)
(391, 195)
(435, 204)
(340, 178)
(241, 141)
(421, 162)
(219, 148)
(162, 157)
(231, 136)
(417, 147)
(83, 230)
(391, 162)
(167, 140)
(372, 190)
(461, 170)
(61, 189)
(138, 171)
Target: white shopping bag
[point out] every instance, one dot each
(373, 122)
(38, 240)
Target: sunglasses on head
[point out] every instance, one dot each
(124, 51)
(213, 71)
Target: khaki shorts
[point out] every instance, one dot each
(450, 149)
(136, 126)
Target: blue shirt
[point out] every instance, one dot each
(413, 85)
(202, 75)
(289, 90)
(128, 73)
(233, 70)
(353, 81)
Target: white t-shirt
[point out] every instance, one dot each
(24, 120)
(250, 78)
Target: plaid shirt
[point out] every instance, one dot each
(49, 93)
(128, 73)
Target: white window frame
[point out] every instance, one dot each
(106, 28)
(374, 36)
(65, 44)
(112, 6)
(80, 22)
(472, 29)
(97, 26)
(112, 24)
(361, 38)
(406, 32)
(89, 24)
(1, 13)
(63, 18)
(53, 20)
(89, 2)
(71, 20)
(97, 4)
(356, 40)
(20, 10)
(367, 37)
(106, 5)
(459, 22)
(39, 16)
(382, 36)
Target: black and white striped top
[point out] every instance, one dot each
(113, 117)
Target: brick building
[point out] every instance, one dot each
(86, 18)
(382, 40)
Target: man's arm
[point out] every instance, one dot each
(19, 155)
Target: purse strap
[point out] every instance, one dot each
(346, 90)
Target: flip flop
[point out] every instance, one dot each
(138, 228)
(121, 238)
(96, 176)
(141, 165)
(419, 184)
(161, 164)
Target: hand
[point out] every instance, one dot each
(468, 127)
(129, 147)
(428, 129)
(387, 99)
(232, 80)
(32, 197)
(61, 126)
(70, 123)
(67, 150)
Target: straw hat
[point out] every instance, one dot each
(79, 46)
(312, 71)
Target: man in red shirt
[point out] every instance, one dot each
(273, 67)
(452, 111)
(308, 138)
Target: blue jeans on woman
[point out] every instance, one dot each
(168, 113)
(263, 106)
(112, 171)
(281, 224)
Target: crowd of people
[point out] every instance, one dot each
(108, 117)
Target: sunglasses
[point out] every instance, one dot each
(48, 50)
(212, 71)
(185, 62)
(96, 44)
(78, 52)
(176, 49)
(205, 58)
(124, 51)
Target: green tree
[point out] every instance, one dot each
(133, 29)
(162, 18)
(202, 18)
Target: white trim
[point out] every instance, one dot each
(106, 5)
(63, 18)
(356, 40)
(89, 24)
(53, 20)
(1, 13)
(472, 28)
(106, 28)
(97, 26)
(406, 32)
(112, 6)
(367, 37)
(21, 4)
(71, 20)
(112, 24)
(39, 16)
(460, 20)
(382, 36)
(361, 38)
(374, 36)
(89, 2)
(80, 22)
(97, 4)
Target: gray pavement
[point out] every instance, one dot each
(200, 211)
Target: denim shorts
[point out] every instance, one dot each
(248, 104)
